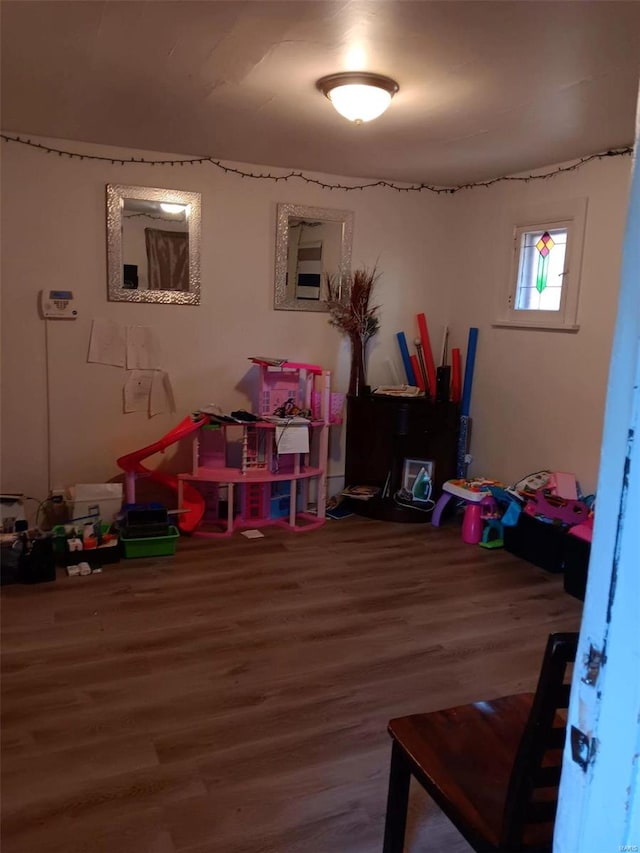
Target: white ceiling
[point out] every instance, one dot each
(486, 88)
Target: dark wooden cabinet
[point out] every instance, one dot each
(384, 431)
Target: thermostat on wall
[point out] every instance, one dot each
(57, 305)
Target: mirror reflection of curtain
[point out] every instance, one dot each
(292, 257)
(309, 270)
(168, 259)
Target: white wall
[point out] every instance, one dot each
(54, 236)
(538, 396)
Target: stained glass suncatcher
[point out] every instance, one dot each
(541, 270)
(544, 246)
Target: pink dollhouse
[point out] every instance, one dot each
(280, 462)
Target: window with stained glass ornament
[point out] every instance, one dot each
(541, 269)
(542, 288)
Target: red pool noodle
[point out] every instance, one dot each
(416, 369)
(428, 355)
(456, 385)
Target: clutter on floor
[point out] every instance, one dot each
(27, 557)
(553, 507)
(85, 545)
(543, 518)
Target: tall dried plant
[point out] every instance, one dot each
(349, 307)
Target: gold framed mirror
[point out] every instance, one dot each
(153, 245)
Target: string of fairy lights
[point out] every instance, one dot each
(301, 176)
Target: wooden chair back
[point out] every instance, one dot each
(532, 795)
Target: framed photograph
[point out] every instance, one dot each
(417, 478)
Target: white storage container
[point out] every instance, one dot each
(99, 500)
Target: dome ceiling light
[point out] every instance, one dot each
(358, 95)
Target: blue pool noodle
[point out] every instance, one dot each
(404, 352)
(468, 370)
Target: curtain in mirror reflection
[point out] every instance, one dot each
(168, 259)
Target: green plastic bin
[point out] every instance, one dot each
(153, 546)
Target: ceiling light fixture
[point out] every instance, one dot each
(358, 95)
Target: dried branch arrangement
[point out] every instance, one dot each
(349, 307)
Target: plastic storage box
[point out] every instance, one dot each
(28, 563)
(538, 542)
(145, 521)
(103, 556)
(576, 566)
(99, 500)
(151, 546)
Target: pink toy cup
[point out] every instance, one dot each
(472, 524)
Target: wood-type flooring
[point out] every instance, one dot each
(234, 698)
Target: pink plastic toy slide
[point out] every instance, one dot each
(131, 464)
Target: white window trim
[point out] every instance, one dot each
(572, 212)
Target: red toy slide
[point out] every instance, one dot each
(192, 499)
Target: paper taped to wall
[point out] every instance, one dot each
(107, 344)
(161, 397)
(137, 389)
(143, 349)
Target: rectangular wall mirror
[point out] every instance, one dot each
(311, 243)
(153, 245)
